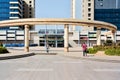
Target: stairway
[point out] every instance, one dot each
(72, 43)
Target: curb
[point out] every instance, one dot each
(92, 59)
(16, 56)
(45, 53)
(32, 54)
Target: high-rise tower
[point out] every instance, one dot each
(16, 9)
(28, 8)
(102, 10)
(88, 12)
(10, 9)
(72, 28)
(108, 11)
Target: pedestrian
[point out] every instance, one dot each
(84, 47)
(47, 48)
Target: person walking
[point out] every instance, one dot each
(84, 47)
(47, 48)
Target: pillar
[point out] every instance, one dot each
(113, 36)
(105, 37)
(66, 37)
(26, 38)
(98, 36)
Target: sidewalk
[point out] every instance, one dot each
(13, 54)
(73, 53)
(92, 57)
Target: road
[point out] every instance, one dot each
(55, 67)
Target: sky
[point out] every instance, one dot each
(55, 9)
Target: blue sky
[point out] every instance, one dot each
(55, 9)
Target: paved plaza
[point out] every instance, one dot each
(56, 67)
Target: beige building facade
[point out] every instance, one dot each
(29, 10)
(88, 13)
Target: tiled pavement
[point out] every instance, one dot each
(73, 53)
(57, 67)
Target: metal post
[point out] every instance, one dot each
(79, 40)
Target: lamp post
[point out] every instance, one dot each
(79, 39)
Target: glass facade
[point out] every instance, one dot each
(54, 37)
(108, 11)
(10, 9)
(108, 15)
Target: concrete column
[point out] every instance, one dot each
(113, 36)
(105, 37)
(26, 38)
(98, 36)
(66, 37)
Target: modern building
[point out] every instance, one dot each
(102, 10)
(88, 13)
(12, 38)
(53, 37)
(15, 9)
(108, 11)
(10, 9)
(29, 10)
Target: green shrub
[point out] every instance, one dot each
(3, 50)
(92, 50)
(1, 45)
(100, 48)
(112, 52)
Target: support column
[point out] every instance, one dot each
(105, 37)
(98, 36)
(26, 38)
(66, 37)
(113, 36)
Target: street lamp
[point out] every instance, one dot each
(79, 39)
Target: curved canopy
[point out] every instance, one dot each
(59, 21)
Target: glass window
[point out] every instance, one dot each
(89, 9)
(89, 4)
(89, 18)
(30, 1)
(89, 15)
(101, 4)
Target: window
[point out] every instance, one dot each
(30, 1)
(89, 18)
(89, 0)
(89, 15)
(89, 9)
(101, 4)
(100, 0)
(30, 16)
(89, 4)
(23, 1)
(30, 13)
(30, 9)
